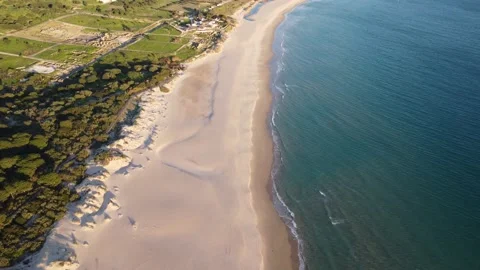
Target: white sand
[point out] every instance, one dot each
(183, 199)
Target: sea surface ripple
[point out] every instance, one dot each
(377, 133)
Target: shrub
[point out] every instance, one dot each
(67, 124)
(15, 188)
(20, 220)
(20, 139)
(135, 75)
(30, 164)
(83, 154)
(50, 179)
(8, 162)
(108, 75)
(39, 141)
(3, 219)
(4, 262)
(17, 140)
(4, 195)
(92, 78)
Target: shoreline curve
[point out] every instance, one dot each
(280, 249)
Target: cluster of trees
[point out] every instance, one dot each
(47, 132)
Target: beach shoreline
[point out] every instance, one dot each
(280, 245)
(208, 141)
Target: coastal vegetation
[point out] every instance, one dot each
(51, 122)
(101, 22)
(47, 133)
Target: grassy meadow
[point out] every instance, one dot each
(166, 30)
(22, 46)
(99, 22)
(164, 45)
(12, 62)
(69, 53)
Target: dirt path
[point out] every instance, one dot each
(41, 51)
(28, 57)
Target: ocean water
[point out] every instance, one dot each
(376, 121)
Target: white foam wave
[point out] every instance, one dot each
(287, 215)
(282, 46)
(279, 90)
(289, 218)
(284, 204)
(334, 221)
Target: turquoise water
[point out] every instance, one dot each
(377, 127)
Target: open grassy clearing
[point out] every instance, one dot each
(19, 14)
(166, 30)
(7, 62)
(104, 23)
(69, 53)
(139, 9)
(123, 57)
(229, 8)
(161, 38)
(186, 53)
(164, 45)
(22, 46)
(186, 6)
(157, 47)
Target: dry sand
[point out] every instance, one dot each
(193, 192)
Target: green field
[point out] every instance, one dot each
(230, 7)
(151, 13)
(139, 9)
(186, 53)
(19, 14)
(189, 5)
(149, 46)
(104, 23)
(69, 53)
(158, 44)
(7, 62)
(166, 30)
(124, 57)
(159, 38)
(22, 46)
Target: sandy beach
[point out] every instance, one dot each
(193, 191)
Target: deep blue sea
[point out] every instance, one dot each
(376, 121)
